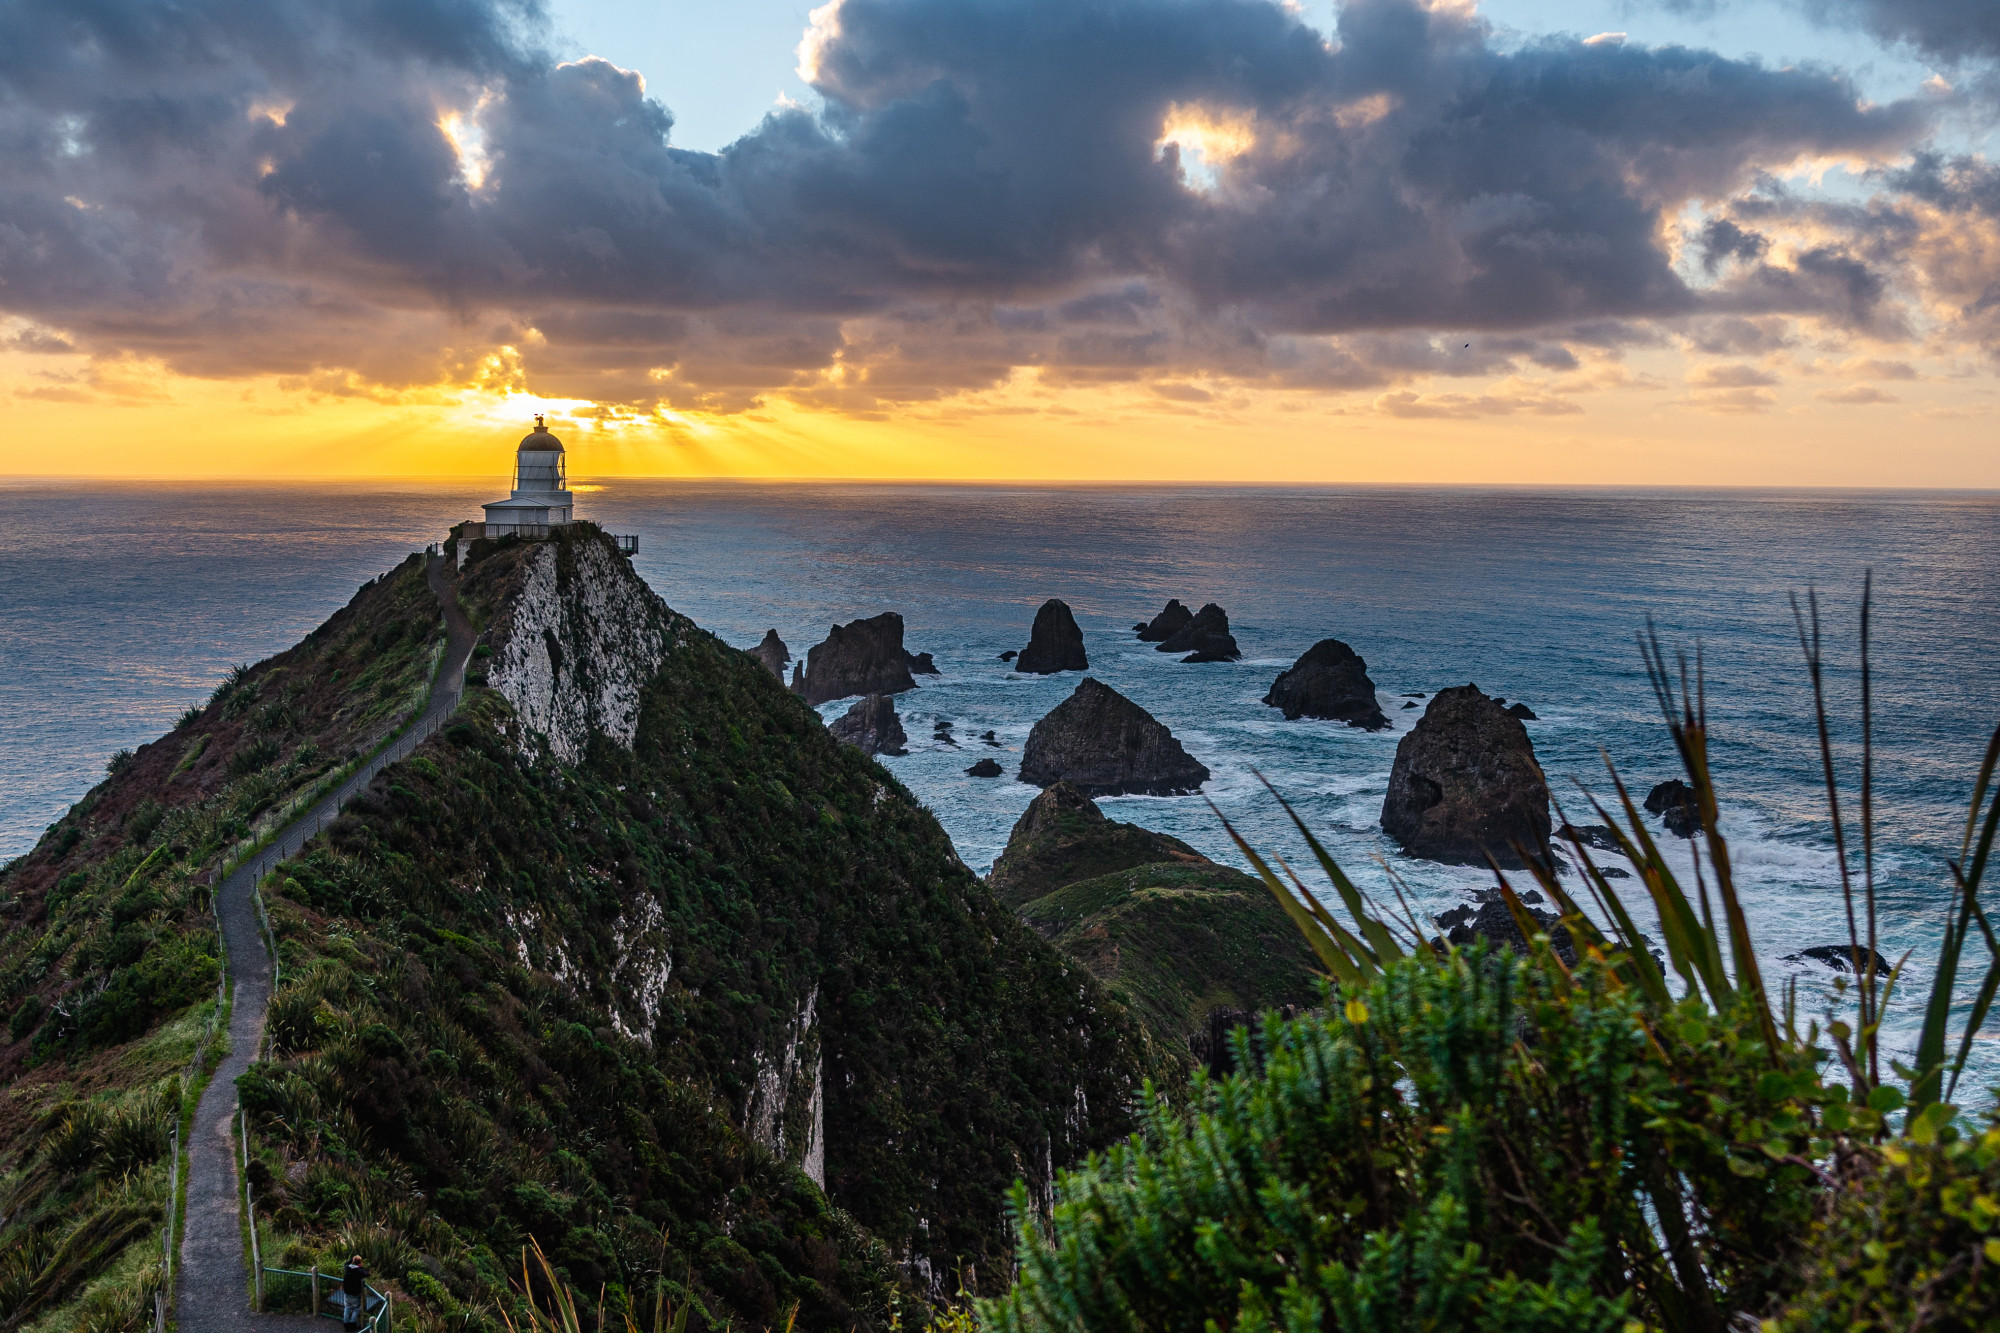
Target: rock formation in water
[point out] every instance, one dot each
(1675, 803)
(872, 727)
(1489, 919)
(860, 657)
(1009, 655)
(1841, 958)
(985, 768)
(1055, 644)
(1108, 746)
(1205, 638)
(773, 653)
(921, 664)
(1522, 711)
(1170, 932)
(1465, 784)
(1173, 618)
(1330, 681)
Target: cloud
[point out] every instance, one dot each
(394, 195)
(1952, 30)
(1857, 395)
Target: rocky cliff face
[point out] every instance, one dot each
(1465, 784)
(1329, 681)
(1108, 746)
(575, 641)
(773, 653)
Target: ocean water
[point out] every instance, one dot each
(122, 604)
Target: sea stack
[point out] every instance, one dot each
(1108, 746)
(872, 727)
(860, 657)
(1205, 638)
(1330, 681)
(1674, 801)
(1173, 618)
(1465, 784)
(1055, 644)
(773, 653)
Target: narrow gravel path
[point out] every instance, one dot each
(213, 1288)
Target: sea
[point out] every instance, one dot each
(121, 604)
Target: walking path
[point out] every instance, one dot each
(214, 1279)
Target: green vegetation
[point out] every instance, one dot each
(606, 1009)
(1470, 1141)
(109, 957)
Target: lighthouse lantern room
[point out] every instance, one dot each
(541, 499)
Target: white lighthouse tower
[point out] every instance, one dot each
(541, 499)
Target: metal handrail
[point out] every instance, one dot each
(377, 1322)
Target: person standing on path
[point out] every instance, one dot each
(353, 1293)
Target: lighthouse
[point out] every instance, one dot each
(541, 499)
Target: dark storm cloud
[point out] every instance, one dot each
(1951, 30)
(247, 188)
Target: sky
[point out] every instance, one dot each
(1726, 242)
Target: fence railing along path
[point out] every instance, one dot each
(213, 1286)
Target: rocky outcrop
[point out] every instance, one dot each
(1522, 711)
(1599, 836)
(1205, 638)
(576, 645)
(773, 653)
(1173, 618)
(920, 664)
(1063, 837)
(1488, 918)
(1108, 746)
(860, 657)
(1465, 784)
(872, 727)
(1674, 802)
(1173, 934)
(1055, 644)
(985, 768)
(1330, 681)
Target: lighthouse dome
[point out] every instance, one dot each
(541, 440)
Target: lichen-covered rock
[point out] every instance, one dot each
(773, 653)
(1466, 783)
(860, 657)
(1108, 746)
(574, 649)
(1173, 618)
(1205, 637)
(872, 727)
(1329, 681)
(1674, 802)
(1055, 644)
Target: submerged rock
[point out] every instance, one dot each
(985, 768)
(1173, 618)
(860, 657)
(1599, 836)
(772, 653)
(872, 727)
(1108, 746)
(1055, 644)
(941, 732)
(1205, 638)
(1329, 681)
(1009, 655)
(1674, 802)
(1466, 783)
(1407, 707)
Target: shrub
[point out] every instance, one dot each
(27, 1015)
